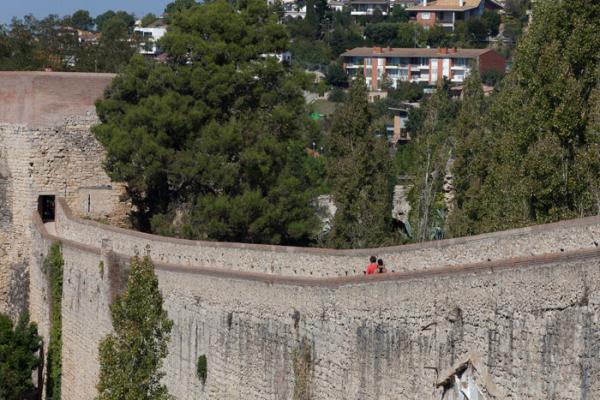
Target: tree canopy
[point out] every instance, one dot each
(215, 137)
(359, 171)
(542, 132)
(19, 346)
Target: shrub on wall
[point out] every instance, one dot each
(53, 268)
(202, 368)
(303, 363)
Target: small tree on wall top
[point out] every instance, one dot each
(131, 358)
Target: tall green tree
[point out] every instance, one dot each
(131, 357)
(81, 19)
(179, 5)
(19, 346)
(215, 135)
(431, 131)
(359, 169)
(541, 132)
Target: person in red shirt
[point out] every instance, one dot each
(372, 267)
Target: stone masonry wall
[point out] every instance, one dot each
(531, 332)
(290, 261)
(46, 148)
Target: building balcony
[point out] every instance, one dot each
(367, 12)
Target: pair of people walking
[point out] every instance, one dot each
(376, 266)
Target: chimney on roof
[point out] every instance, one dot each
(377, 49)
(389, 48)
(443, 50)
(461, 3)
(455, 50)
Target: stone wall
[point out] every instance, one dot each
(530, 328)
(47, 148)
(312, 262)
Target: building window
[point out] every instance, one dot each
(425, 15)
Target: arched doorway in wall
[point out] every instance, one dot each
(46, 207)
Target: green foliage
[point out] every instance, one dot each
(202, 368)
(53, 268)
(303, 366)
(337, 95)
(148, 19)
(102, 20)
(131, 357)
(218, 134)
(81, 19)
(359, 169)
(429, 127)
(534, 158)
(336, 76)
(399, 14)
(179, 5)
(382, 34)
(310, 54)
(19, 346)
(492, 77)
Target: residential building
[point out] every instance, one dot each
(149, 37)
(336, 5)
(283, 57)
(388, 66)
(446, 13)
(369, 7)
(293, 9)
(397, 131)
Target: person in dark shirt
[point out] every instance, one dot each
(381, 267)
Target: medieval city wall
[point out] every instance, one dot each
(313, 262)
(47, 148)
(273, 321)
(531, 328)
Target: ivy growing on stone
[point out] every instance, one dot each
(53, 268)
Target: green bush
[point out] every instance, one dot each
(53, 268)
(202, 368)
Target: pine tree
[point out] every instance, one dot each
(131, 357)
(359, 170)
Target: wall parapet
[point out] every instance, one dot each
(542, 242)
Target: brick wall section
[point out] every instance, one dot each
(491, 60)
(426, 23)
(532, 332)
(44, 99)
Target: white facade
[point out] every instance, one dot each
(149, 37)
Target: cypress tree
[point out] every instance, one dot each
(359, 170)
(543, 161)
(131, 358)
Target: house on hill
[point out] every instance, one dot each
(446, 13)
(383, 66)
